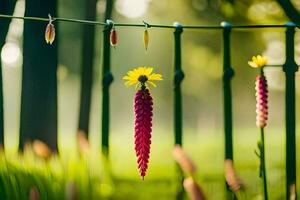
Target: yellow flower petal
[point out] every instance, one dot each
(151, 83)
(148, 71)
(258, 61)
(126, 78)
(155, 77)
(252, 64)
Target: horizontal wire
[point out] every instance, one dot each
(152, 25)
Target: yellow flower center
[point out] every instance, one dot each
(143, 79)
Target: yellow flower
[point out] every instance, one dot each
(141, 76)
(258, 61)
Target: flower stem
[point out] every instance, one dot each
(262, 162)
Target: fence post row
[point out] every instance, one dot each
(107, 79)
(290, 67)
(228, 73)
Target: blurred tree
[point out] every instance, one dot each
(39, 81)
(6, 7)
(88, 49)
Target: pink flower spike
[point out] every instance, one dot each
(143, 106)
(261, 88)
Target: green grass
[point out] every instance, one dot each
(95, 180)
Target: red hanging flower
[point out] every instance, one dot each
(113, 37)
(143, 128)
(143, 109)
(50, 32)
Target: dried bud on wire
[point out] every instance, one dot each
(113, 37)
(146, 36)
(261, 88)
(146, 39)
(50, 32)
(193, 189)
(183, 160)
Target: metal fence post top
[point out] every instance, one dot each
(226, 25)
(290, 64)
(109, 24)
(178, 27)
(290, 24)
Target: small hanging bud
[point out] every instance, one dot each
(113, 37)
(50, 32)
(146, 36)
(146, 39)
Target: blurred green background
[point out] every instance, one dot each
(202, 89)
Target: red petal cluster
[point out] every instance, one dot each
(143, 106)
(261, 88)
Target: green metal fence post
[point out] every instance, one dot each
(178, 77)
(290, 67)
(228, 73)
(107, 79)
